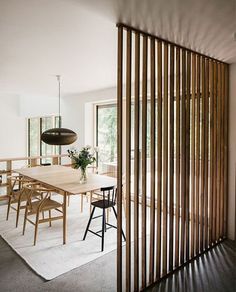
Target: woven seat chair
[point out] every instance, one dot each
(45, 204)
(17, 195)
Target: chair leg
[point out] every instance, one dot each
(103, 226)
(36, 228)
(68, 202)
(18, 212)
(8, 207)
(50, 216)
(114, 210)
(25, 219)
(87, 228)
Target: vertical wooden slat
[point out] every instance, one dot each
(197, 154)
(177, 169)
(187, 149)
(215, 154)
(202, 153)
(218, 149)
(183, 164)
(165, 160)
(206, 154)
(144, 162)
(136, 162)
(193, 226)
(171, 160)
(222, 151)
(159, 160)
(211, 111)
(152, 155)
(128, 166)
(120, 156)
(226, 97)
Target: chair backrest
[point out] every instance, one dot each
(109, 194)
(16, 183)
(37, 188)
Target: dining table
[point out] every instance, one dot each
(66, 181)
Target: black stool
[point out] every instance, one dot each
(108, 201)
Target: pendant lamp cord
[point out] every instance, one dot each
(59, 97)
(59, 92)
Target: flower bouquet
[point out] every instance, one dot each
(81, 160)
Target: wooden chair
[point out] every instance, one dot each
(46, 204)
(97, 195)
(17, 195)
(108, 201)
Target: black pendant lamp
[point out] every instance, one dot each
(59, 136)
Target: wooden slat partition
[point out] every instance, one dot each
(198, 156)
(159, 160)
(202, 157)
(175, 122)
(218, 150)
(177, 167)
(165, 161)
(187, 150)
(214, 153)
(144, 162)
(206, 178)
(128, 158)
(171, 159)
(193, 198)
(152, 162)
(211, 112)
(136, 162)
(183, 155)
(226, 110)
(120, 156)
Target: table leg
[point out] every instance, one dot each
(64, 216)
(82, 203)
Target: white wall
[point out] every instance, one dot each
(38, 106)
(232, 153)
(12, 127)
(78, 112)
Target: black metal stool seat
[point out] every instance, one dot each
(108, 201)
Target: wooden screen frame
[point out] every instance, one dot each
(186, 214)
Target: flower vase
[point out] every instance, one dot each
(83, 175)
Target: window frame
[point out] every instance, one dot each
(107, 104)
(40, 142)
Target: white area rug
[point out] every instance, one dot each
(50, 258)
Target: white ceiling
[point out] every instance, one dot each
(77, 38)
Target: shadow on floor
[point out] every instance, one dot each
(215, 271)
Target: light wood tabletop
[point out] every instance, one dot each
(66, 180)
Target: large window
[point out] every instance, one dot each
(36, 147)
(106, 136)
(106, 140)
